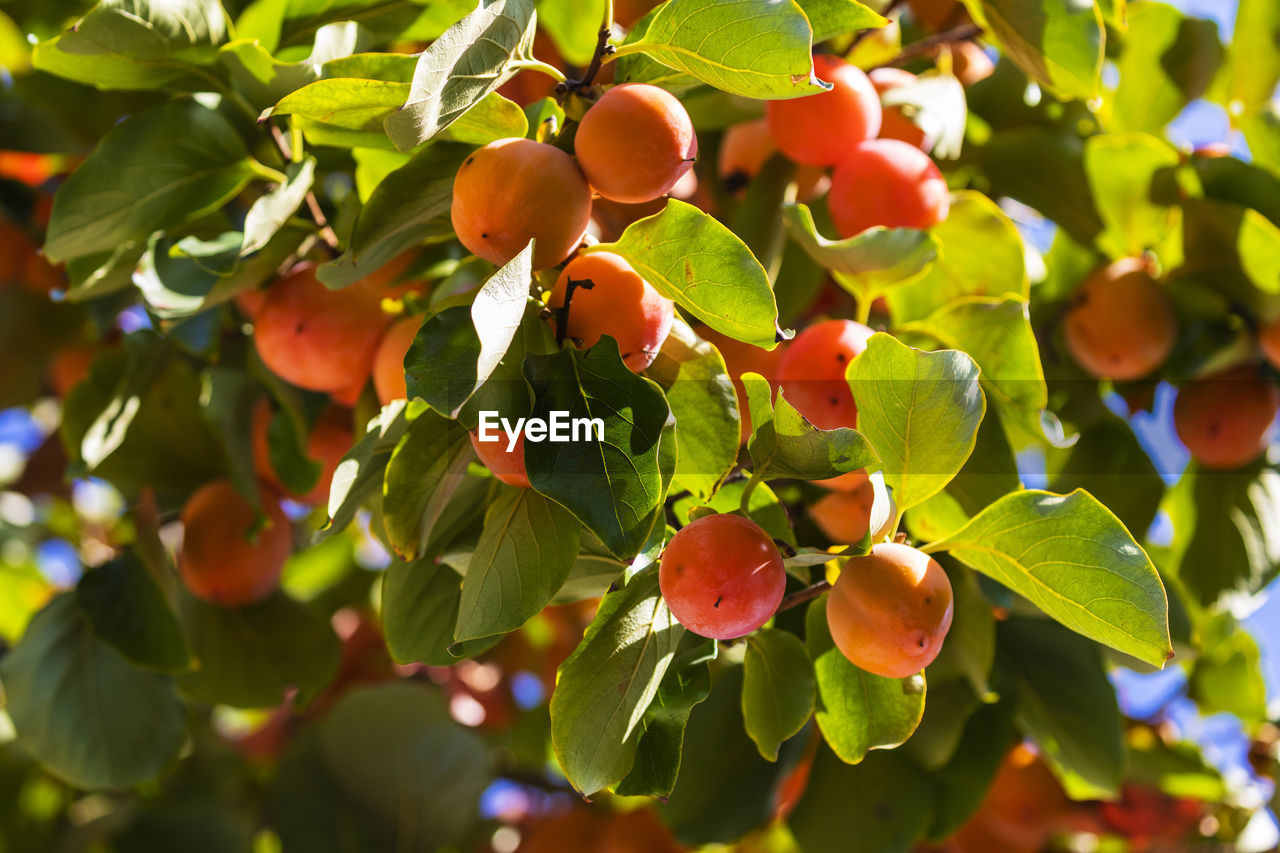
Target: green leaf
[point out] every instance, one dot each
(615, 486)
(883, 805)
(856, 710)
(573, 26)
(754, 48)
(604, 688)
(868, 264)
(136, 44)
(1227, 677)
(1043, 167)
(82, 710)
(687, 256)
(997, 335)
(420, 608)
(1072, 558)
(263, 80)
(970, 649)
(1254, 69)
(359, 476)
(138, 180)
(705, 406)
(524, 555)
(409, 206)
(981, 255)
(1168, 61)
(1108, 462)
(249, 657)
(784, 444)
(269, 213)
(1058, 43)
(384, 769)
(686, 683)
(129, 613)
(920, 411)
(350, 103)
(424, 470)
(778, 689)
(1121, 169)
(961, 784)
(467, 62)
(1065, 701)
(830, 18)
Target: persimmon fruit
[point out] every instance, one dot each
(223, 560)
(895, 123)
(317, 338)
(811, 373)
(889, 183)
(722, 576)
(890, 610)
(612, 299)
(388, 361)
(818, 129)
(1225, 419)
(1269, 341)
(740, 358)
(506, 465)
(745, 147)
(512, 190)
(635, 143)
(844, 515)
(1120, 323)
(328, 441)
(1021, 809)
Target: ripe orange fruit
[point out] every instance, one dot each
(635, 143)
(819, 129)
(388, 362)
(812, 372)
(1120, 324)
(1225, 419)
(219, 561)
(890, 183)
(506, 465)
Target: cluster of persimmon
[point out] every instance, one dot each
(1120, 325)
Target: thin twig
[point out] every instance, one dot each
(313, 204)
(968, 32)
(800, 596)
(562, 313)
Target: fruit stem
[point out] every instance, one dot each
(800, 596)
(267, 173)
(562, 313)
(865, 301)
(545, 68)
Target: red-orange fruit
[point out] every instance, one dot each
(69, 365)
(1120, 324)
(513, 190)
(317, 338)
(1225, 419)
(890, 610)
(635, 143)
(890, 183)
(618, 303)
(740, 358)
(819, 129)
(220, 562)
(388, 362)
(1269, 340)
(1021, 810)
(722, 576)
(896, 125)
(745, 147)
(844, 515)
(812, 372)
(329, 440)
(506, 465)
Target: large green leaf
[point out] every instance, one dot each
(856, 710)
(409, 206)
(1227, 677)
(262, 79)
(1043, 167)
(883, 805)
(961, 784)
(606, 685)
(778, 689)
(700, 393)
(249, 657)
(82, 709)
(754, 48)
(690, 257)
(1121, 169)
(129, 612)
(784, 444)
(360, 474)
(1108, 462)
(136, 44)
(830, 18)
(1065, 701)
(615, 486)
(1058, 43)
(1254, 69)
(524, 555)
(1072, 558)
(155, 170)
(1168, 61)
(419, 610)
(467, 62)
(424, 470)
(920, 411)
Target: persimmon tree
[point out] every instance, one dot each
(861, 519)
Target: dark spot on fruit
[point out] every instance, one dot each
(1214, 429)
(928, 599)
(297, 330)
(484, 235)
(718, 600)
(840, 357)
(920, 642)
(468, 162)
(736, 180)
(835, 401)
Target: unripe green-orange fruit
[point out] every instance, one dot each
(388, 362)
(317, 338)
(635, 143)
(818, 129)
(1225, 418)
(1269, 340)
(812, 372)
(618, 303)
(722, 576)
(1120, 324)
(890, 183)
(890, 610)
(506, 465)
(512, 190)
(219, 562)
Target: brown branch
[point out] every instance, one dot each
(313, 204)
(800, 596)
(968, 32)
